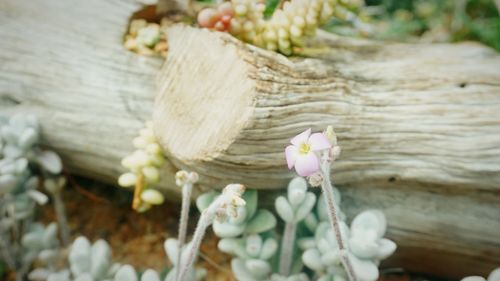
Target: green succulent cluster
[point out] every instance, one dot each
(23, 165)
(89, 262)
(315, 249)
(429, 21)
(248, 220)
(286, 26)
(247, 236)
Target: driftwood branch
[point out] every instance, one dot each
(64, 61)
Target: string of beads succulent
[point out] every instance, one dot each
(144, 164)
(287, 29)
(146, 39)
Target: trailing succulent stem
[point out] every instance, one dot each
(143, 165)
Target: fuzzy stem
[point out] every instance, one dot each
(183, 222)
(206, 218)
(61, 218)
(287, 245)
(327, 189)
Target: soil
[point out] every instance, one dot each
(99, 211)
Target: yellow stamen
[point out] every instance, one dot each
(304, 148)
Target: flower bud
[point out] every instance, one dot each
(330, 135)
(315, 179)
(181, 177)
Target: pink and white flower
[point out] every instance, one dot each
(302, 153)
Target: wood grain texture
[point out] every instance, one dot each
(416, 113)
(419, 126)
(64, 61)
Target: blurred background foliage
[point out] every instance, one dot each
(415, 20)
(426, 21)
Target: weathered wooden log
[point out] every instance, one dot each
(413, 120)
(408, 114)
(64, 61)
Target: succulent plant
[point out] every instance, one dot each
(367, 248)
(252, 256)
(172, 250)
(494, 276)
(23, 163)
(295, 277)
(144, 173)
(91, 262)
(293, 209)
(127, 273)
(146, 38)
(298, 204)
(287, 28)
(248, 219)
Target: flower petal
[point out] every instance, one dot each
(301, 138)
(291, 153)
(306, 165)
(319, 141)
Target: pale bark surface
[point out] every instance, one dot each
(64, 61)
(419, 126)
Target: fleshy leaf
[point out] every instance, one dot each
(150, 275)
(312, 259)
(50, 161)
(263, 221)
(253, 245)
(284, 209)
(258, 268)
(386, 248)
(100, 259)
(297, 189)
(79, 256)
(126, 273)
(371, 219)
(171, 247)
(306, 207)
(269, 248)
(204, 200)
(365, 270)
(241, 272)
(228, 230)
(251, 197)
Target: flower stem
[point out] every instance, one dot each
(327, 189)
(287, 245)
(183, 222)
(206, 218)
(61, 218)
